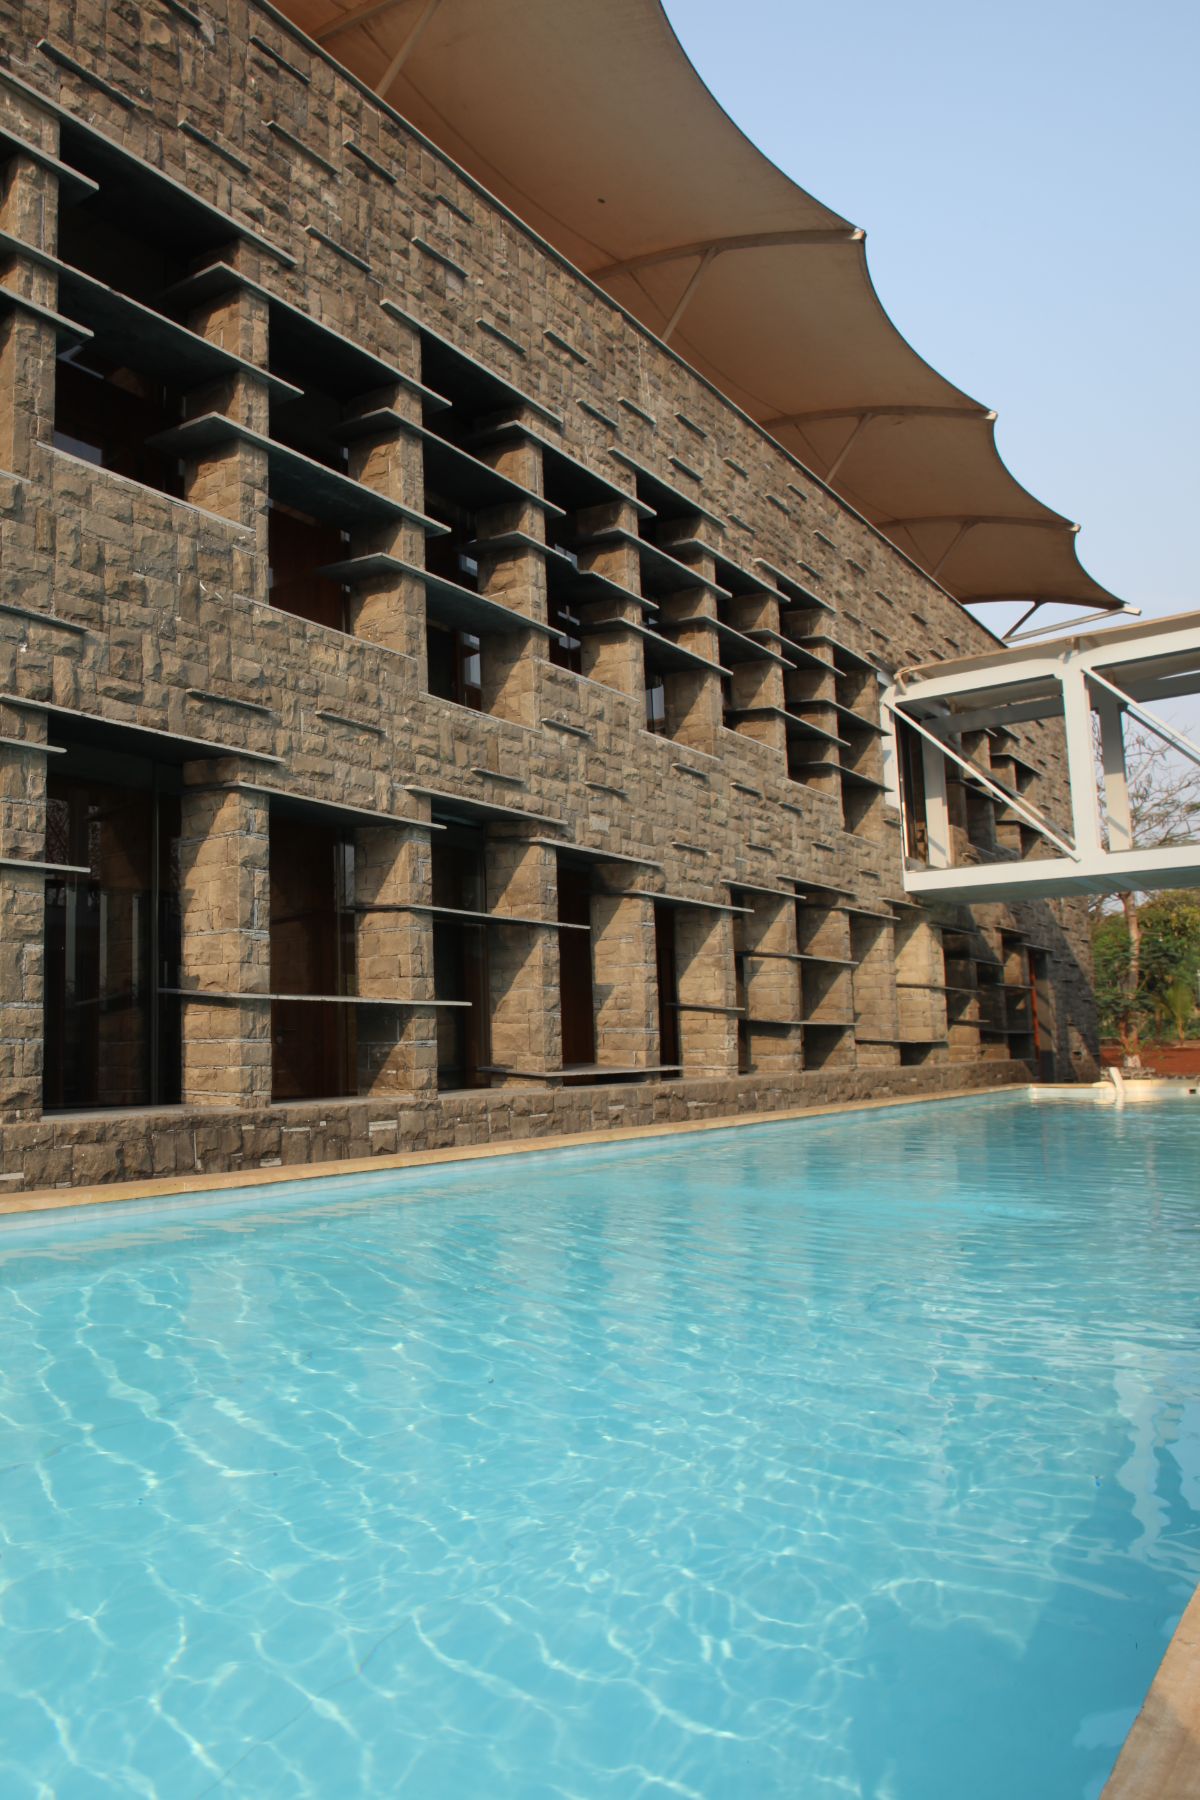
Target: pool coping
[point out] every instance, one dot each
(61, 1199)
(1160, 1758)
(1139, 1091)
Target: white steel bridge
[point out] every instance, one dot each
(950, 745)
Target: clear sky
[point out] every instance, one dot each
(1027, 175)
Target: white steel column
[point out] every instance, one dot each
(937, 810)
(1081, 764)
(1116, 786)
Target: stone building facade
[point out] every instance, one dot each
(429, 712)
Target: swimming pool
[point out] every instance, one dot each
(850, 1457)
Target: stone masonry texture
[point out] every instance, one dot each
(146, 620)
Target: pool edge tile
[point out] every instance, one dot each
(1160, 1759)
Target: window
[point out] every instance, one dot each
(566, 650)
(455, 657)
(314, 1054)
(112, 1026)
(298, 547)
(118, 389)
(91, 237)
(311, 421)
(105, 412)
(314, 522)
(656, 705)
(576, 992)
(562, 575)
(460, 963)
(668, 986)
(447, 556)
(455, 666)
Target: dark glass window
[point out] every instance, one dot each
(448, 555)
(297, 548)
(566, 650)
(112, 1032)
(668, 985)
(120, 387)
(577, 994)
(656, 705)
(460, 966)
(455, 666)
(117, 252)
(454, 657)
(314, 1054)
(745, 1060)
(311, 421)
(105, 412)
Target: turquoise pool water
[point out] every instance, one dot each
(836, 1459)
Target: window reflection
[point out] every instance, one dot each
(112, 1034)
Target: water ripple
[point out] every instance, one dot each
(827, 1461)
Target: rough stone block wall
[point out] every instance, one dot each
(146, 620)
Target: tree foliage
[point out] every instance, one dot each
(1162, 986)
(1143, 962)
(1164, 791)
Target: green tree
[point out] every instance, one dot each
(1170, 937)
(1132, 991)
(1181, 1004)
(1115, 994)
(1164, 808)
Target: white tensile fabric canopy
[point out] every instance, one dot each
(586, 118)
